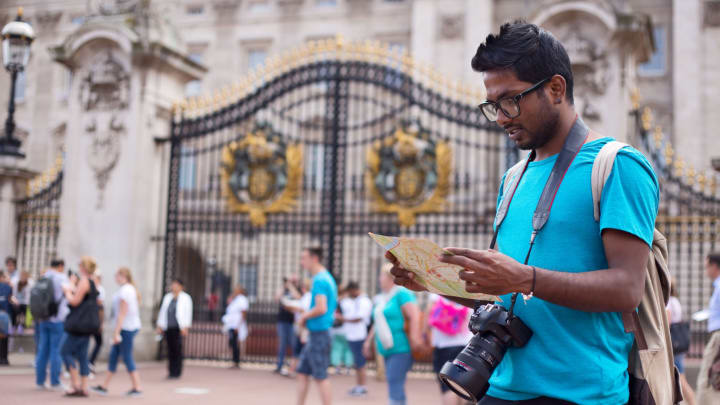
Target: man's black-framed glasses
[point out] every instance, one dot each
(510, 106)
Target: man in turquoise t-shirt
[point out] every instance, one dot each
(315, 355)
(582, 274)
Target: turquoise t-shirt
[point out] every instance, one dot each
(323, 283)
(574, 355)
(396, 321)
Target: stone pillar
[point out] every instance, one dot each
(687, 79)
(478, 24)
(13, 180)
(423, 30)
(114, 181)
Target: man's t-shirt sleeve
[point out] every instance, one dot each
(630, 198)
(320, 287)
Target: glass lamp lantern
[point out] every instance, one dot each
(16, 39)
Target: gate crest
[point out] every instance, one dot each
(261, 174)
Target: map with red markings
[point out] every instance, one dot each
(421, 256)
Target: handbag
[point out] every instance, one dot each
(680, 336)
(84, 319)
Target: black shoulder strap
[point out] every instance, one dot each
(574, 141)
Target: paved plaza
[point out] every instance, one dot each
(203, 384)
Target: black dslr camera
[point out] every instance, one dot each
(495, 330)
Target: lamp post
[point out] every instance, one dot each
(16, 39)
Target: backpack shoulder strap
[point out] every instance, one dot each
(511, 173)
(602, 167)
(511, 177)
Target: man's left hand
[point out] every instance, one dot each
(184, 332)
(490, 272)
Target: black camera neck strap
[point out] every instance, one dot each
(573, 143)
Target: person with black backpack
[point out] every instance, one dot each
(81, 322)
(45, 299)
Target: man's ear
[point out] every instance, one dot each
(556, 87)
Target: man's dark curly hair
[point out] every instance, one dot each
(528, 50)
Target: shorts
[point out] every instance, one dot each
(440, 356)
(356, 348)
(315, 356)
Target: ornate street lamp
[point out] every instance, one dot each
(16, 39)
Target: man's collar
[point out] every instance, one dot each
(716, 282)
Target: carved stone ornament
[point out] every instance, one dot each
(590, 67)
(104, 150)
(105, 86)
(451, 26)
(261, 174)
(711, 13)
(48, 18)
(112, 7)
(408, 173)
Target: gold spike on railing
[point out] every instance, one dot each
(658, 135)
(646, 118)
(635, 98)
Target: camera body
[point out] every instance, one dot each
(494, 331)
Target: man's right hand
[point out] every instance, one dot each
(403, 277)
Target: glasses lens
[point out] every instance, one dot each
(489, 110)
(510, 107)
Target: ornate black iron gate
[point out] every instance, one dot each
(325, 144)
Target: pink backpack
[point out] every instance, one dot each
(448, 318)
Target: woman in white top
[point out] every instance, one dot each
(235, 323)
(448, 324)
(126, 318)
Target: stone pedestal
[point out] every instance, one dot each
(13, 181)
(128, 71)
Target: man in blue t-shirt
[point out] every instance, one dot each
(315, 355)
(582, 273)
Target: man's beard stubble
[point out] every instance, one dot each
(547, 129)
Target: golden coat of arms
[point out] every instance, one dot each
(408, 173)
(261, 174)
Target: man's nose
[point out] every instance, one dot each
(502, 119)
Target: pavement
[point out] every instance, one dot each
(203, 383)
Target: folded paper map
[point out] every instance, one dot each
(421, 257)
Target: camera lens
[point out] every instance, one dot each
(469, 373)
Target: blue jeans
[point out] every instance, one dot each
(49, 340)
(286, 336)
(396, 369)
(124, 349)
(680, 362)
(76, 348)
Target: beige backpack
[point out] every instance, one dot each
(653, 377)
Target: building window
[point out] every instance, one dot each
(77, 20)
(195, 9)
(259, 6)
(326, 2)
(656, 66)
(67, 78)
(247, 276)
(20, 84)
(188, 169)
(196, 57)
(193, 88)
(256, 58)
